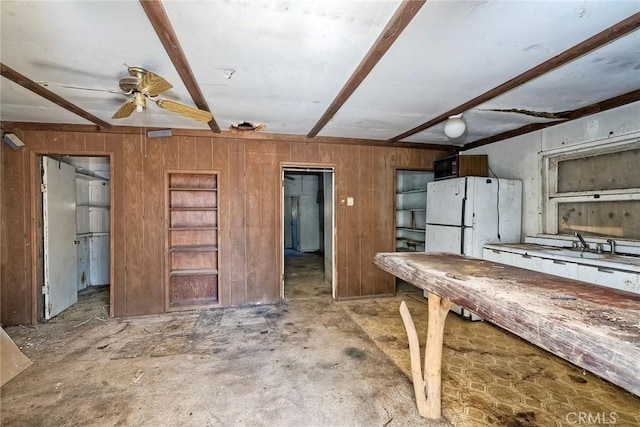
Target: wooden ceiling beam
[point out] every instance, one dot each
(612, 33)
(161, 24)
(34, 87)
(598, 107)
(398, 22)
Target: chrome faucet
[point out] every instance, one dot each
(613, 246)
(584, 244)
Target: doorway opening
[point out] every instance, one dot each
(308, 232)
(73, 235)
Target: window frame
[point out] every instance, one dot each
(552, 197)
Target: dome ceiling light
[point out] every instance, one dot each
(454, 127)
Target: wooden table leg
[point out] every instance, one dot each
(428, 389)
(438, 310)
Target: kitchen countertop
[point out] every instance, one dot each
(607, 260)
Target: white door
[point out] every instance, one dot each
(59, 219)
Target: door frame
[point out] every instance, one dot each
(307, 167)
(35, 202)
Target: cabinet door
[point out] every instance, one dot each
(83, 262)
(99, 265)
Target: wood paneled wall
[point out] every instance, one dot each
(249, 172)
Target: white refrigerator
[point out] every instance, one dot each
(464, 214)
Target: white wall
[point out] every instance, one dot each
(519, 157)
(306, 186)
(328, 225)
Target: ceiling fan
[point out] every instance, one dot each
(143, 85)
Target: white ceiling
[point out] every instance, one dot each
(281, 63)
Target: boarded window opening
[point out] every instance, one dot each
(610, 171)
(612, 218)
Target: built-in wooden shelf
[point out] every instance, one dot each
(198, 228)
(195, 303)
(192, 256)
(192, 189)
(194, 248)
(191, 209)
(420, 190)
(193, 272)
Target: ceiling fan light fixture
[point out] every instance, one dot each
(455, 126)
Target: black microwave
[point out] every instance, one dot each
(459, 165)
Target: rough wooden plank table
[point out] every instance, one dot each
(591, 326)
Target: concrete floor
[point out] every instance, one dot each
(305, 362)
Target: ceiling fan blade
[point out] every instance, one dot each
(185, 110)
(50, 84)
(152, 84)
(125, 110)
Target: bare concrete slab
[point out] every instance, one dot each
(304, 363)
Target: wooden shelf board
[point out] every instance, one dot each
(192, 228)
(193, 304)
(411, 229)
(194, 248)
(412, 210)
(194, 272)
(191, 189)
(421, 190)
(412, 241)
(191, 209)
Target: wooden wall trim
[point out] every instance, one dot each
(120, 130)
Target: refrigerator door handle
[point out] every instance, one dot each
(462, 219)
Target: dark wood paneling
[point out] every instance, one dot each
(220, 158)
(153, 226)
(204, 159)
(134, 224)
(366, 209)
(254, 233)
(118, 288)
(354, 224)
(3, 246)
(75, 142)
(343, 234)
(383, 215)
(249, 215)
(94, 141)
(298, 152)
(187, 152)
(325, 153)
(270, 194)
(238, 223)
(16, 292)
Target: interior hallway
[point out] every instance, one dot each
(303, 362)
(304, 275)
